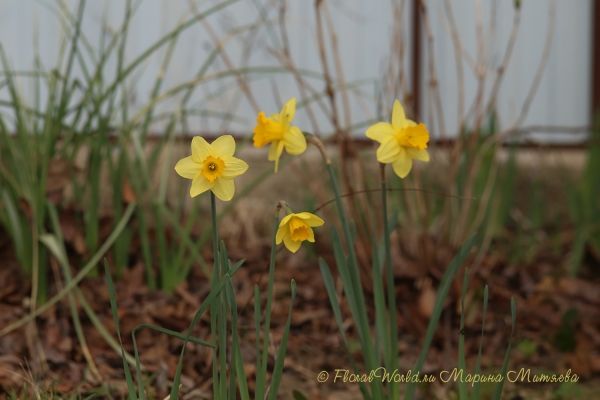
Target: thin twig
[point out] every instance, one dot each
(473, 138)
(396, 190)
(343, 142)
(506, 59)
(542, 67)
(433, 78)
(337, 61)
(290, 65)
(213, 35)
(498, 137)
(303, 87)
(460, 75)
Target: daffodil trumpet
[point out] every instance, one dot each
(277, 131)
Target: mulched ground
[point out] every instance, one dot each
(558, 327)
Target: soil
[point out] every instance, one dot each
(557, 329)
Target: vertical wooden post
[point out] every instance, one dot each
(595, 59)
(416, 60)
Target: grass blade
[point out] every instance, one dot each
(445, 283)
(73, 283)
(257, 325)
(261, 375)
(236, 353)
(115, 312)
(462, 385)
(381, 329)
(214, 292)
(499, 385)
(278, 368)
(337, 312)
(169, 332)
(478, 365)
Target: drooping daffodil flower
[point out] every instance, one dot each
(278, 131)
(296, 228)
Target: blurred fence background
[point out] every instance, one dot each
(380, 51)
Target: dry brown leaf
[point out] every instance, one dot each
(427, 299)
(128, 192)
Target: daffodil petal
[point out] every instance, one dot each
(281, 232)
(291, 245)
(286, 219)
(234, 167)
(200, 185)
(388, 151)
(201, 149)
(408, 123)
(303, 215)
(188, 168)
(294, 140)
(314, 221)
(224, 146)
(398, 116)
(311, 235)
(288, 111)
(310, 219)
(275, 152)
(380, 131)
(223, 189)
(403, 164)
(417, 154)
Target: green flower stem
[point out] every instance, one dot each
(393, 390)
(214, 307)
(261, 376)
(215, 234)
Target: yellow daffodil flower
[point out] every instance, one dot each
(212, 167)
(296, 228)
(277, 130)
(401, 141)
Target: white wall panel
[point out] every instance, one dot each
(563, 95)
(363, 30)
